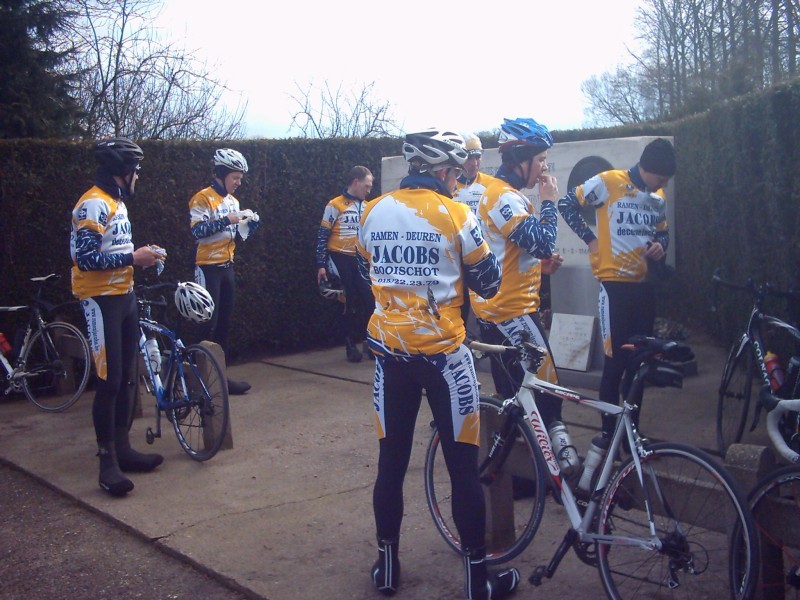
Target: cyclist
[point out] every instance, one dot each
(631, 232)
(418, 248)
(215, 220)
(336, 240)
(526, 243)
(470, 186)
(103, 257)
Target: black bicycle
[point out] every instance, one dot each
(53, 362)
(746, 375)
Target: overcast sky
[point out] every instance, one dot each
(462, 65)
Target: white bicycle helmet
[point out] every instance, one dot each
(194, 302)
(435, 148)
(230, 159)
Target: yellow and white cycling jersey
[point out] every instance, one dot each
(627, 219)
(414, 242)
(107, 217)
(501, 211)
(341, 217)
(471, 193)
(209, 206)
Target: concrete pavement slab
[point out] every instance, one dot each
(287, 511)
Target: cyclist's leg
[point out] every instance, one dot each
(224, 310)
(530, 327)
(129, 460)
(359, 302)
(451, 387)
(104, 318)
(209, 277)
(507, 373)
(626, 309)
(397, 399)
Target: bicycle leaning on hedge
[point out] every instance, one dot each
(668, 521)
(53, 362)
(187, 381)
(746, 367)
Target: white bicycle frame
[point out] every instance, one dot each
(582, 525)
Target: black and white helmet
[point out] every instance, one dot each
(230, 159)
(436, 148)
(194, 302)
(118, 154)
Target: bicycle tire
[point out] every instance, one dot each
(735, 392)
(775, 504)
(708, 535)
(200, 411)
(528, 486)
(57, 362)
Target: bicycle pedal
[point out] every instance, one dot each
(538, 575)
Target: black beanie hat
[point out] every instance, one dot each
(658, 157)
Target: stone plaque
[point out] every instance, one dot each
(571, 339)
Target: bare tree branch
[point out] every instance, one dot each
(133, 83)
(330, 112)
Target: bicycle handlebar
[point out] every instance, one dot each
(758, 290)
(781, 407)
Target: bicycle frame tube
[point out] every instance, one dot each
(155, 378)
(582, 524)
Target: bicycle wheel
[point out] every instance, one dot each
(709, 543)
(199, 410)
(735, 391)
(513, 484)
(775, 503)
(57, 362)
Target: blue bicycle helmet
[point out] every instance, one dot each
(524, 132)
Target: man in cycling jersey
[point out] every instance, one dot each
(632, 236)
(215, 221)
(527, 243)
(469, 188)
(103, 257)
(336, 239)
(419, 248)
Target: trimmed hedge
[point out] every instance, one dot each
(278, 307)
(737, 194)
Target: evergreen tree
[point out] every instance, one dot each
(34, 96)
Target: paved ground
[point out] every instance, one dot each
(284, 514)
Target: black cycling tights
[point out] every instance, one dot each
(632, 311)
(359, 301)
(120, 338)
(402, 386)
(221, 285)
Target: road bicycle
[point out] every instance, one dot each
(53, 361)
(745, 370)
(775, 503)
(667, 522)
(188, 382)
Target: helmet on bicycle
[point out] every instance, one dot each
(331, 288)
(435, 149)
(524, 132)
(194, 302)
(230, 159)
(118, 154)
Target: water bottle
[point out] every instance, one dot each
(153, 354)
(566, 453)
(775, 370)
(595, 456)
(5, 346)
